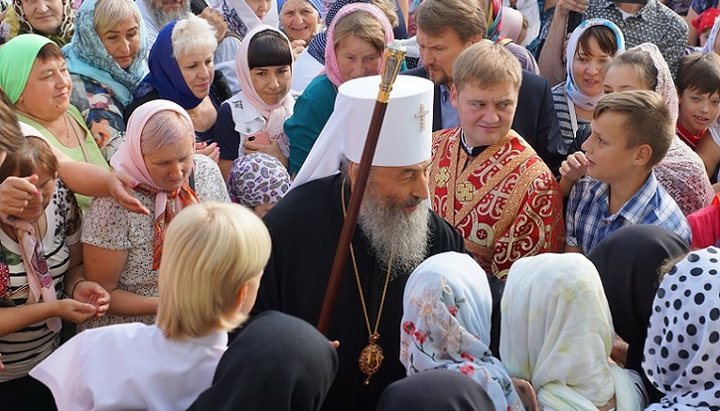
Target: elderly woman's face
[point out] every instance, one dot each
(122, 41)
(198, 71)
(47, 92)
(299, 19)
(43, 15)
(171, 164)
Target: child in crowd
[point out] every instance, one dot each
(631, 133)
(704, 24)
(258, 181)
(698, 88)
(205, 290)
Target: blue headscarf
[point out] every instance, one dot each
(165, 75)
(86, 56)
(317, 4)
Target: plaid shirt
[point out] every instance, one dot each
(588, 220)
(654, 23)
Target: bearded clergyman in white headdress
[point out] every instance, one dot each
(396, 231)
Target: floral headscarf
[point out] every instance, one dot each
(557, 333)
(331, 64)
(87, 56)
(20, 25)
(256, 179)
(446, 325)
(665, 84)
(571, 89)
(682, 350)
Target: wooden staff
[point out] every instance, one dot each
(393, 60)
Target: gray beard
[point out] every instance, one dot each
(163, 19)
(392, 230)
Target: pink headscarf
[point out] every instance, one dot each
(332, 68)
(129, 159)
(275, 114)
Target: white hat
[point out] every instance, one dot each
(405, 137)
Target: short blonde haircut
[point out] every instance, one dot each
(109, 13)
(485, 64)
(192, 34)
(362, 25)
(647, 120)
(211, 251)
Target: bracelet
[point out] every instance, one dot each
(72, 291)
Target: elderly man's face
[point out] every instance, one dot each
(170, 6)
(394, 213)
(166, 11)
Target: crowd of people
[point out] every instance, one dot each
(538, 228)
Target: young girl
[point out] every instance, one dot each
(591, 46)
(252, 120)
(40, 260)
(205, 290)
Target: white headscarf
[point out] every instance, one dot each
(709, 46)
(571, 89)
(446, 325)
(557, 333)
(682, 350)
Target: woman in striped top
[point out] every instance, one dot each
(40, 260)
(590, 47)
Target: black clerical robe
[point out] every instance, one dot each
(305, 228)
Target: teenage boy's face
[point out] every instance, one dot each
(609, 157)
(698, 111)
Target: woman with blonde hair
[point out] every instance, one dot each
(107, 59)
(214, 258)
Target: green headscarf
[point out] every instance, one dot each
(17, 57)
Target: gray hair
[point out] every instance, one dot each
(108, 13)
(192, 34)
(163, 128)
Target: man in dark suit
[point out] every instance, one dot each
(447, 27)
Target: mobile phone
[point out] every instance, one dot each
(261, 137)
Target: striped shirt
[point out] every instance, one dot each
(24, 349)
(563, 114)
(588, 220)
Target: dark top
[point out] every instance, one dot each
(277, 362)
(535, 119)
(305, 228)
(219, 92)
(628, 262)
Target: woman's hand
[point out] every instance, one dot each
(297, 47)
(564, 7)
(120, 186)
(16, 193)
(90, 292)
(211, 150)
(273, 149)
(216, 20)
(73, 310)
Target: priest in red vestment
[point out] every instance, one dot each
(486, 180)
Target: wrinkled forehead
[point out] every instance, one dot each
(159, 4)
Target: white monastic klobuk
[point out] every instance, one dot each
(405, 137)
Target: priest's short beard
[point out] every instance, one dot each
(389, 228)
(163, 18)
